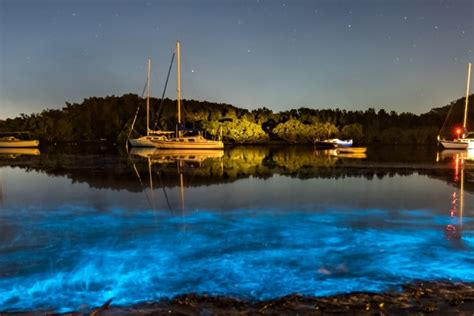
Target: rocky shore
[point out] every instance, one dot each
(423, 298)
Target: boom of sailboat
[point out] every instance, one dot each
(162, 139)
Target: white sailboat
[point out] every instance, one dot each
(467, 139)
(181, 141)
(151, 135)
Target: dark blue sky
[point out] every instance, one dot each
(399, 55)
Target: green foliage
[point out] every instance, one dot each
(237, 131)
(294, 131)
(353, 131)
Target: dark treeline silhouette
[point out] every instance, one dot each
(110, 118)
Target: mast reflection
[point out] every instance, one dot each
(185, 161)
(453, 230)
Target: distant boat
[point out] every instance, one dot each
(181, 141)
(341, 143)
(13, 142)
(467, 139)
(151, 135)
(333, 143)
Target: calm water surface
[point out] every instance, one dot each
(256, 223)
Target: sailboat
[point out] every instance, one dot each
(151, 135)
(180, 141)
(467, 139)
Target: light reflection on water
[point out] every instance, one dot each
(64, 245)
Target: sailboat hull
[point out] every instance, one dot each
(196, 142)
(178, 145)
(454, 144)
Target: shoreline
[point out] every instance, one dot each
(420, 298)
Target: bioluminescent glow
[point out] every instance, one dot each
(67, 260)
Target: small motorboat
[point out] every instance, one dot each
(13, 142)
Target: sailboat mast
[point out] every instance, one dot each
(148, 98)
(464, 125)
(178, 83)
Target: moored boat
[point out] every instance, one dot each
(467, 139)
(454, 144)
(13, 142)
(333, 143)
(151, 135)
(181, 141)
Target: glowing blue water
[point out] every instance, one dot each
(64, 258)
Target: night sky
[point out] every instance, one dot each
(399, 55)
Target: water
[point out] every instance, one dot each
(257, 223)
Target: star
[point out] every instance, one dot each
(248, 50)
(192, 70)
(74, 14)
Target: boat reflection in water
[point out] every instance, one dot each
(350, 155)
(170, 155)
(14, 152)
(453, 154)
(453, 230)
(184, 158)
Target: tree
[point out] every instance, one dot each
(353, 131)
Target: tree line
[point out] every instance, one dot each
(110, 118)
